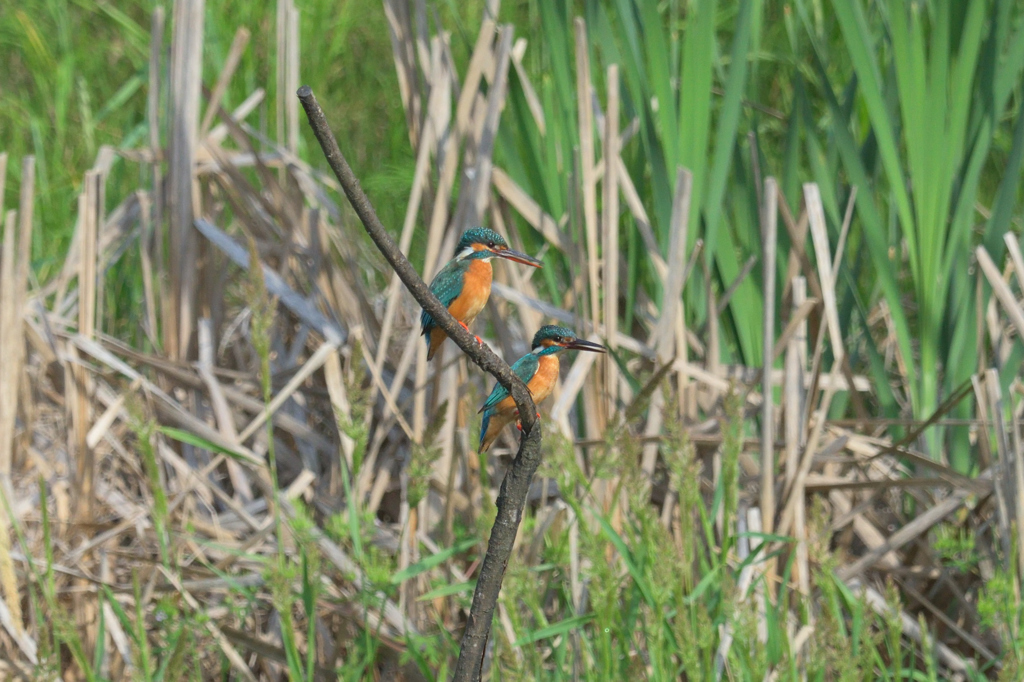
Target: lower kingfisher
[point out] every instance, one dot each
(538, 369)
(464, 284)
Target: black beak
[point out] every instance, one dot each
(580, 344)
(511, 255)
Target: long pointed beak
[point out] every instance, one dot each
(580, 344)
(518, 257)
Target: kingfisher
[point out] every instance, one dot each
(464, 284)
(538, 369)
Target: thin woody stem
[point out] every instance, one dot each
(512, 496)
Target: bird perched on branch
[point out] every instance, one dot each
(464, 284)
(538, 369)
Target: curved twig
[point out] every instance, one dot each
(514, 488)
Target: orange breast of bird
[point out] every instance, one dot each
(476, 288)
(540, 385)
(544, 380)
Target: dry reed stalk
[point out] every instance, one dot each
(610, 282)
(769, 225)
(102, 168)
(280, 68)
(797, 230)
(479, 61)
(712, 357)
(152, 243)
(84, 490)
(302, 307)
(422, 36)
(481, 187)
(221, 409)
(532, 100)
(663, 338)
(1001, 289)
(1001, 471)
(341, 407)
(400, 32)
(9, 330)
(220, 131)
(10, 336)
(748, 574)
(26, 204)
(796, 328)
(643, 222)
(595, 412)
(186, 80)
(940, 615)
(610, 250)
(827, 266)
(386, 393)
(910, 627)
(237, 662)
(443, 469)
(164, 403)
(588, 181)
(1018, 460)
(1013, 249)
(238, 45)
(845, 512)
(798, 259)
(819, 237)
(291, 77)
(796, 367)
(18, 633)
(911, 531)
(147, 230)
(89, 208)
(313, 364)
(793, 396)
(530, 210)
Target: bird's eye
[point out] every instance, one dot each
(490, 245)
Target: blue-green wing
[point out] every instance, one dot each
(446, 286)
(524, 368)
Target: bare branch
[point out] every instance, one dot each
(514, 488)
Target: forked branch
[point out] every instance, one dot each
(514, 488)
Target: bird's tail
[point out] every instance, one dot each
(434, 340)
(484, 423)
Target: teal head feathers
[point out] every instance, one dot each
(552, 338)
(484, 243)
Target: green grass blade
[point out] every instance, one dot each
(448, 590)
(627, 557)
(559, 628)
(432, 561)
(726, 130)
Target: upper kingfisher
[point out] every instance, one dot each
(538, 369)
(464, 284)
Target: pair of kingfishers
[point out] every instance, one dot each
(463, 286)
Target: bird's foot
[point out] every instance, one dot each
(519, 423)
(479, 341)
